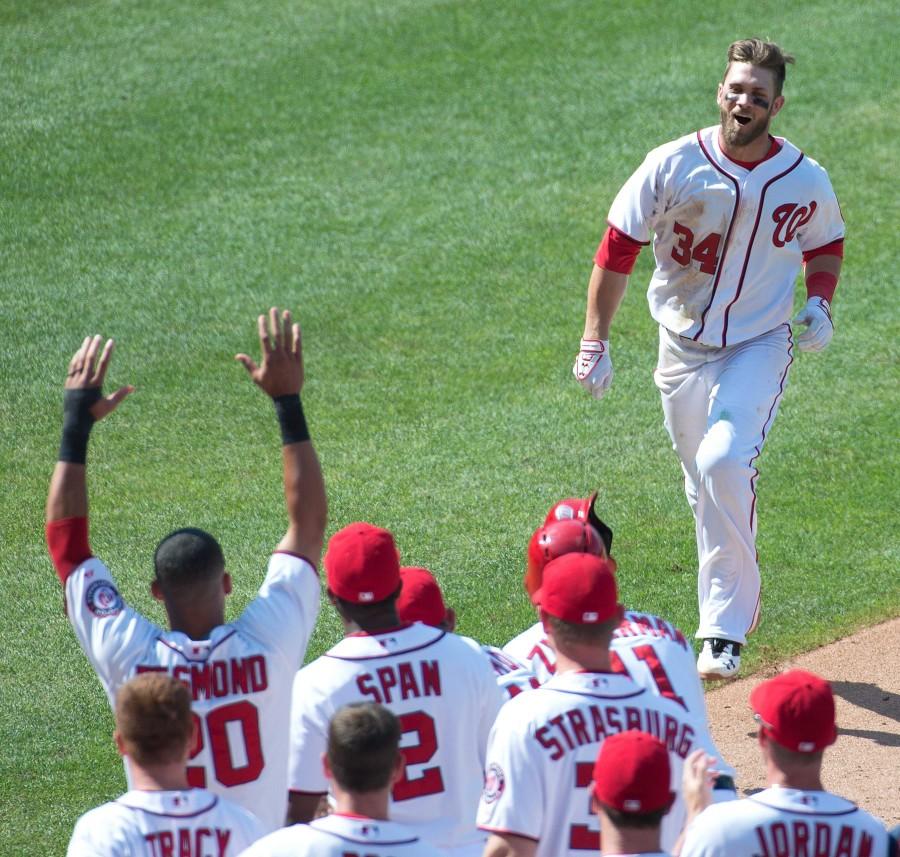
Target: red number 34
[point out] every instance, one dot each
(705, 253)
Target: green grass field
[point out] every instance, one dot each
(424, 184)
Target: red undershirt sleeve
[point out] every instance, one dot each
(617, 251)
(67, 541)
(835, 248)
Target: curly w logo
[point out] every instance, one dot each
(788, 219)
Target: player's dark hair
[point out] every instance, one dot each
(573, 633)
(763, 55)
(635, 820)
(371, 616)
(153, 718)
(187, 557)
(363, 746)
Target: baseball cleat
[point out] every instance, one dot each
(719, 659)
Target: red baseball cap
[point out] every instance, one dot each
(632, 773)
(554, 540)
(579, 588)
(578, 509)
(796, 710)
(420, 598)
(362, 563)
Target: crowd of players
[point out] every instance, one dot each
(586, 733)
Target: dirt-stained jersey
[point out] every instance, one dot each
(240, 678)
(340, 835)
(442, 689)
(165, 824)
(728, 241)
(542, 750)
(783, 821)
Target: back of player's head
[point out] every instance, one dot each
(363, 747)
(421, 599)
(153, 718)
(553, 540)
(763, 55)
(186, 558)
(796, 711)
(632, 778)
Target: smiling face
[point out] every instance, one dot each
(748, 99)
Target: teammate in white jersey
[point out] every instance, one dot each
(161, 816)
(439, 685)
(543, 745)
(239, 673)
(733, 213)
(645, 647)
(421, 600)
(361, 763)
(794, 816)
(631, 793)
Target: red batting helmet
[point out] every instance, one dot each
(554, 540)
(575, 509)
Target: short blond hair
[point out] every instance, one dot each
(153, 718)
(762, 54)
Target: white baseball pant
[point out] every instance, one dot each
(719, 405)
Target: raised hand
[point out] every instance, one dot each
(281, 372)
(87, 372)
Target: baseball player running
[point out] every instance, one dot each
(421, 600)
(733, 214)
(630, 793)
(543, 745)
(440, 686)
(161, 815)
(645, 647)
(362, 763)
(239, 673)
(794, 816)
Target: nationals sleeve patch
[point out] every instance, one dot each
(494, 783)
(103, 599)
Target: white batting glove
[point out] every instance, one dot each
(593, 366)
(816, 314)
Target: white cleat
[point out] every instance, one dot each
(719, 659)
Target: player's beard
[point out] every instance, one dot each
(738, 135)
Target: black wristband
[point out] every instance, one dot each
(291, 419)
(77, 423)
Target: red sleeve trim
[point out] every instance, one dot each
(835, 248)
(617, 251)
(822, 284)
(298, 792)
(67, 541)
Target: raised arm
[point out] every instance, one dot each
(281, 377)
(83, 405)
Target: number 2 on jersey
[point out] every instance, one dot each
(430, 781)
(214, 727)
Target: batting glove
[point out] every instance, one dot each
(593, 367)
(816, 314)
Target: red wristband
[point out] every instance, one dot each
(67, 541)
(821, 285)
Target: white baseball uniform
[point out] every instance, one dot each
(513, 676)
(193, 823)
(542, 750)
(240, 678)
(782, 822)
(647, 648)
(728, 243)
(442, 688)
(338, 835)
